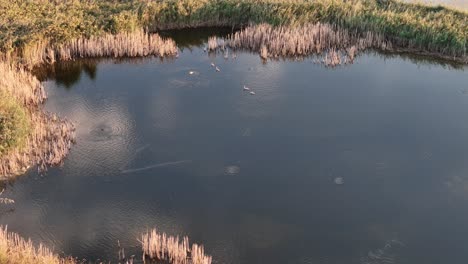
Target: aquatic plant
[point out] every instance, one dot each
(129, 44)
(162, 247)
(16, 250)
(4, 200)
(45, 138)
(337, 45)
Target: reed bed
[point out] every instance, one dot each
(337, 45)
(49, 138)
(16, 250)
(162, 247)
(431, 30)
(134, 44)
(22, 85)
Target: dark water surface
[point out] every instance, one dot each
(365, 164)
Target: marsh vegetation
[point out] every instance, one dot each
(437, 30)
(35, 33)
(30, 136)
(335, 45)
(162, 247)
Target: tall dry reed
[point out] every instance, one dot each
(162, 247)
(135, 44)
(50, 137)
(338, 45)
(16, 250)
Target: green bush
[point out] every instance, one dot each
(14, 123)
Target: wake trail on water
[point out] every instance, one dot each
(158, 165)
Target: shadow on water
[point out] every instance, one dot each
(67, 73)
(195, 37)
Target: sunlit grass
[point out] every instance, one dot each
(14, 124)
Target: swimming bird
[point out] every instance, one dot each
(212, 64)
(217, 69)
(191, 72)
(246, 88)
(204, 49)
(252, 93)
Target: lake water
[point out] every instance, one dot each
(365, 163)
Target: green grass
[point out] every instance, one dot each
(433, 29)
(14, 123)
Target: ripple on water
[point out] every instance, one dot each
(231, 170)
(388, 254)
(339, 180)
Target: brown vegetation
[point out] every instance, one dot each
(134, 44)
(338, 46)
(162, 247)
(16, 250)
(49, 138)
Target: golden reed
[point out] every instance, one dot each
(162, 247)
(50, 138)
(16, 250)
(337, 45)
(135, 44)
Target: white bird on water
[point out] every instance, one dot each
(252, 93)
(212, 64)
(217, 69)
(246, 88)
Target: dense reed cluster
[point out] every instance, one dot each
(16, 250)
(162, 247)
(48, 139)
(127, 44)
(335, 45)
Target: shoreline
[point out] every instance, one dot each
(131, 31)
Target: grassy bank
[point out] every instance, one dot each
(436, 30)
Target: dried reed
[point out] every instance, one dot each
(50, 138)
(162, 247)
(16, 250)
(135, 44)
(338, 45)
(6, 200)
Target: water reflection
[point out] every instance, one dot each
(67, 73)
(253, 178)
(192, 38)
